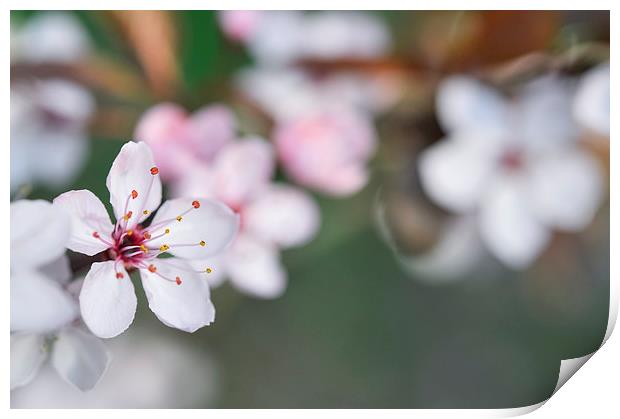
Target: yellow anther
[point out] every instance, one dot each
(129, 232)
(202, 243)
(163, 247)
(144, 248)
(167, 231)
(145, 212)
(179, 218)
(209, 270)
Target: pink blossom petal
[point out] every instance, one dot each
(134, 170)
(254, 267)
(88, 216)
(107, 299)
(182, 300)
(209, 129)
(239, 25)
(282, 215)
(205, 227)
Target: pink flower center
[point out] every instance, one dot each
(512, 160)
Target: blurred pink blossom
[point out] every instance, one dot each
(239, 25)
(592, 100)
(327, 151)
(178, 139)
(273, 215)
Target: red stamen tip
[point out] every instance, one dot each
(178, 280)
(154, 171)
(196, 204)
(119, 275)
(95, 234)
(152, 268)
(146, 235)
(134, 194)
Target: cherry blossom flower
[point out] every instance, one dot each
(516, 164)
(327, 151)
(44, 315)
(273, 216)
(185, 228)
(592, 100)
(48, 131)
(178, 139)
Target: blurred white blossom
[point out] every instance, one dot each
(273, 215)
(49, 117)
(514, 163)
(49, 140)
(185, 228)
(43, 310)
(149, 371)
(592, 100)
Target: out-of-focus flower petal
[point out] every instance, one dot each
(332, 35)
(107, 303)
(315, 149)
(88, 216)
(162, 127)
(591, 107)
(39, 233)
(239, 25)
(209, 129)
(79, 357)
(455, 172)
(282, 215)
(27, 355)
(464, 103)
(212, 222)
(566, 189)
(58, 270)
(278, 38)
(38, 303)
(185, 305)
(508, 228)
(51, 37)
(543, 117)
(254, 267)
(242, 170)
(132, 170)
(66, 99)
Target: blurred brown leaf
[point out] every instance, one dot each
(152, 35)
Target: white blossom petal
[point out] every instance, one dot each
(566, 189)
(591, 107)
(216, 264)
(186, 304)
(254, 267)
(465, 103)
(507, 226)
(213, 222)
(88, 216)
(282, 215)
(80, 358)
(242, 170)
(131, 171)
(107, 303)
(39, 304)
(27, 355)
(455, 172)
(39, 233)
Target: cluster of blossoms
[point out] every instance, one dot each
(514, 166)
(48, 136)
(323, 133)
(43, 302)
